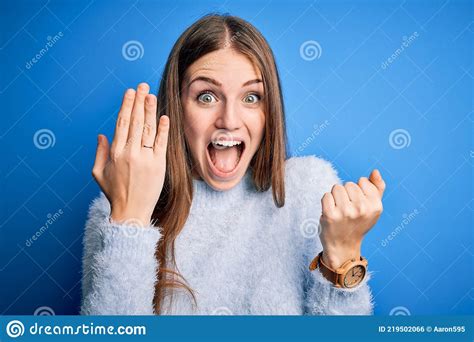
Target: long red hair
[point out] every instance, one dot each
(208, 34)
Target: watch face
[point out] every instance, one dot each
(354, 276)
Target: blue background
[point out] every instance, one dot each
(74, 91)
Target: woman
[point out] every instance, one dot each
(202, 212)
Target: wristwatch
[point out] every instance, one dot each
(350, 274)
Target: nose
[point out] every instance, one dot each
(229, 118)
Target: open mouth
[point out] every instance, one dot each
(224, 156)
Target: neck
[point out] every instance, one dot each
(204, 195)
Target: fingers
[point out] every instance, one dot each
(355, 202)
(123, 122)
(373, 187)
(101, 157)
(161, 141)
(327, 203)
(149, 128)
(354, 192)
(340, 195)
(344, 197)
(376, 179)
(137, 119)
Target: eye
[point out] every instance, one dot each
(252, 98)
(206, 97)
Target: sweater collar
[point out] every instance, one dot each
(204, 195)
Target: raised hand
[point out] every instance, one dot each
(348, 213)
(131, 173)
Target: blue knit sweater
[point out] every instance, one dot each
(239, 253)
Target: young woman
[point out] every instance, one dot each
(201, 212)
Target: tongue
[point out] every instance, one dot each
(225, 159)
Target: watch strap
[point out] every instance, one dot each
(325, 270)
(328, 272)
(332, 275)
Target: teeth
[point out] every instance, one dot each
(228, 143)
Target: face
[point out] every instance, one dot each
(224, 119)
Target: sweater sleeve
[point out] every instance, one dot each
(323, 298)
(119, 265)
(311, 177)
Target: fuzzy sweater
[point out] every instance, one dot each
(239, 253)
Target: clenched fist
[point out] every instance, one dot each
(131, 173)
(349, 211)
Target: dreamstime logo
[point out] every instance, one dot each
(317, 130)
(400, 311)
(132, 50)
(310, 228)
(44, 311)
(232, 39)
(131, 227)
(51, 41)
(15, 328)
(222, 311)
(407, 41)
(44, 138)
(406, 220)
(51, 219)
(310, 50)
(399, 138)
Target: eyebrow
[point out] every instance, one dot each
(216, 83)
